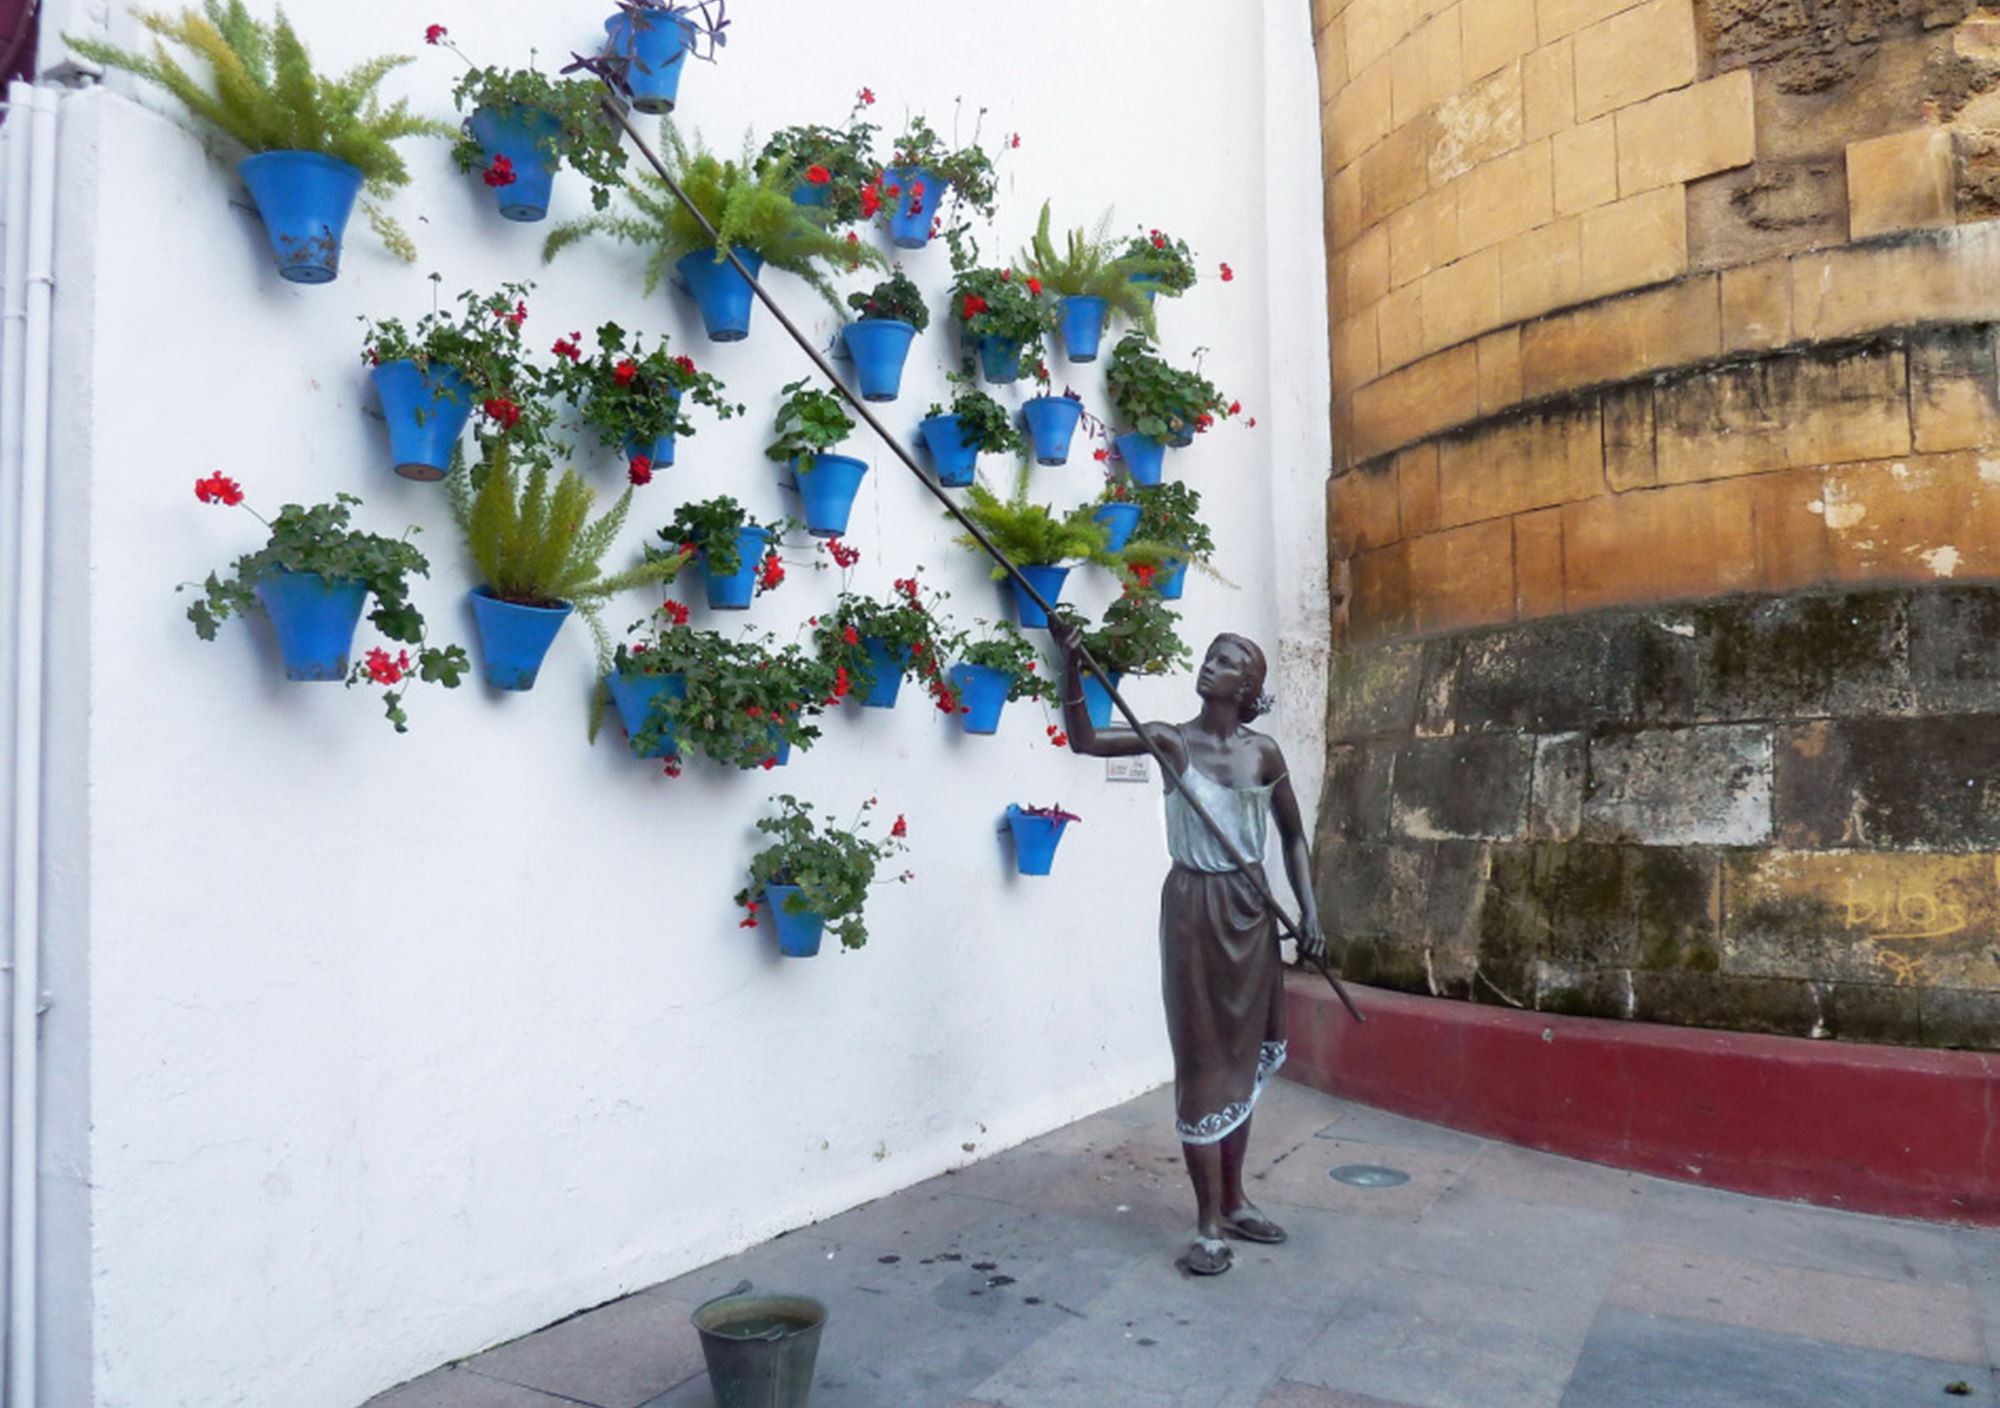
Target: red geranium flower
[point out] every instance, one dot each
(624, 372)
(218, 489)
(773, 572)
(973, 306)
(818, 175)
(685, 363)
(1035, 287)
(851, 636)
(1015, 140)
(500, 173)
(502, 410)
(383, 670)
(567, 347)
(433, 33)
(640, 471)
(901, 828)
(1159, 240)
(675, 612)
(871, 199)
(1236, 408)
(867, 96)
(1100, 454)
(1227, 273)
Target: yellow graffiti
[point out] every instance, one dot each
(1924, 915)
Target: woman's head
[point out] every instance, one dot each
(1234, 668)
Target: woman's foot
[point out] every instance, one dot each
(1207, 1256)
(1252, 1226)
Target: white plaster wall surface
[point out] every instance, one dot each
(402, 1046)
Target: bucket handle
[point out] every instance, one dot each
(770, 1336)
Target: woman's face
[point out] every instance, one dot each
(1225, 671)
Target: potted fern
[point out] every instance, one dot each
(921, 172)
(431, 377)
(314, 144)
(751, 208)
(1168, 537)
(874, 643)
(312, 577)
(814, 876)
(1037, 540)
(995, 670)
(829, 167)
(1174, 273)
(1162, 404)
(1001, 317)
(634, 399)
(647, 43)
(888, 318)
(542, 558)
(1136, 637)
(809, 423)
(1090, 282)
(736, 554)
(524, 126)
(975, 424)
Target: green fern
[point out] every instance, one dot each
(263, 94)
(1088, 265)
(1030, 534)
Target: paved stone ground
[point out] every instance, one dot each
(1044, 1277)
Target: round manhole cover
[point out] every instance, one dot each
(1369, 1175)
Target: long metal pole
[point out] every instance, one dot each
(1254, 873)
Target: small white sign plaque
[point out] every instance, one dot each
(1138, 768)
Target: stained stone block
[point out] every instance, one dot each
(1543, 677)
(1374, 691)
(1680, 787)
(1932, 783)
(1804, 657)
(1555, 793)
(1468, 787)
(1955, 649)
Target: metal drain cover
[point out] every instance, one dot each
(1369, 1175)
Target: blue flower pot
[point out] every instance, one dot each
(1097, 699)
(1000, 359)
(635, 696)
(888, 667)
(426, 415)
(305, 199)
(1152, 282)
(660, 451)
(1083, 325)
(1035, 839)
(798, 934)
(1119, 520)
(733, 593)
(723, 295)
(956, 461)
(656, 48)
(1049, 582)
(1145, 458)
(879, 347)
(1183, 437)
(982, 690)
(1173, 579)
(827, 491)
(513, 638)
(910, 223)
(806, 193)
(315, 618)
(780, 754)
(1051, 422)
(526, 137)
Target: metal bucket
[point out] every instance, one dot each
(760, 1349)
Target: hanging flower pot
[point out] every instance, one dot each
(1046, 580)
(733, 593)
(798, 933)
(1083, 326)
(1000, 359)
(781, 752)
(1119, 520)
(1173, 578)
(426, 412)
(658, 452)
(806, 193)
(1184, 437)
(879, 347)
(635, 695)
(956, 462)
(1149, 284)
(514, 638)
(723, 295)
(888, 667)
(524, 138)
(655, 48)
(1097, 699)
(305, 199)
(983, 691)
(1051, 422)
(1035, 838)
(827, 491)
(919, 197)
(315, 618)
(1145, 458)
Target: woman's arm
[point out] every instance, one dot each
(1298, 859)
(1084, 736)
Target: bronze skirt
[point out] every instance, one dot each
(1223, 984)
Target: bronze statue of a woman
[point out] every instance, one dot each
(1220, 970)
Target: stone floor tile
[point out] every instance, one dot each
(1505, 1242)
(1795, 1234)
(1156, 1106)
(1360, 1124)
(1303, 1176)
(1634, 1360)
(1128, 1181)
(1979, 1250)
(616, 1356)
(1509, 1171)
(462, 1388)
(776, 1262)
(1906, 1317)
(1291, 1395)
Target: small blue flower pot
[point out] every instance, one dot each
(733, 593)
(1173, 579)
(910, 224)
(1152, 282)
(636, 697)
(806, 193)
(1183, 437)
(661, 451)
(1051, 422)
(1035, 839)
(656, 48)
(1145, 458)
(982, 690)
(723, 295)
(514, 639)
(426, 415)
(315, 618)
(879, 347)
(1097, 699)
(798, 934)
(526, 137)
(956, 461)
(827, 490)
(888, 667)
(1000, 359)
(305, 199)
(1119, 520)
(1083, 326)
(1046, 580)
(781, 751)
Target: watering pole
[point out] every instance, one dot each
(615, 110)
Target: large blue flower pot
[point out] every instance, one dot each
(723, 295)
(1173, 579)
(888, 667)
(1035, 839)
(513, 639)
(1083, 325)
(1051, 422)
(635, 696)
(1119, 520)
(656, 49)
(1145, 458)
(1046, 580)
(660, 451)
(1097, 699)
(733, 593)
(879, 347)
(827, 490)
(982, 691)
(526, 137)
(1000, 359)
(798, 934)
(957, 462)
(426, 415)
(305, 199)
(910, 222)
(315, 618)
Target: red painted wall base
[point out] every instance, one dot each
(1877, 1129)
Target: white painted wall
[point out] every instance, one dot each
(399, 1047)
